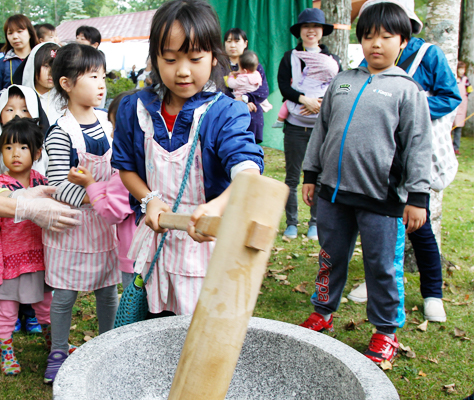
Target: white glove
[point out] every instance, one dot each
(35, 192)
(46, 213)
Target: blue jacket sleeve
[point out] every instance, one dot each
(261, 93)
(234, 143)
(123, 143)
(437, 78)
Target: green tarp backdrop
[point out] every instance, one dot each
(267, 24)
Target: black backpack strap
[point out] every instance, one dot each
(406, 64)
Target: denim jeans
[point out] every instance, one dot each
(295, 142)
(428, 258)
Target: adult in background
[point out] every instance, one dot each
(20, 39)
(235, 41)
(306, 102)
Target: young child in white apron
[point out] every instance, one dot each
(85, 258)
(153, 139)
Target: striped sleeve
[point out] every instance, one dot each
(58, 146)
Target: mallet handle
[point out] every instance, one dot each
(206, 225)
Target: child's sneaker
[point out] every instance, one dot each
(316, 322)
(381, 347)
(359, 294)
(55, 359)
(291, 232)
(17, 326)
(278, 124)
(10, 364)
(32, 325)
(312, 233)
(434, 309)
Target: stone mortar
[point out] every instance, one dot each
(278, 361)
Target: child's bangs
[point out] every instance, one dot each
(90, 61)
(14, 136)
(389, 16)
(197, 37)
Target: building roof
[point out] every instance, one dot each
(127, 26)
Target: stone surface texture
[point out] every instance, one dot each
(278, 361)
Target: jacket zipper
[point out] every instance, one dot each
(339, 165)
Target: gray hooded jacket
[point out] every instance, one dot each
(372, 142)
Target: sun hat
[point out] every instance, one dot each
(406, 5)
(311, 16)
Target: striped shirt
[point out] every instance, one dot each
(59, 148)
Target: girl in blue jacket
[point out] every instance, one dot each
(157, 131)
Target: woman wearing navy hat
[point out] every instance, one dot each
(303, 76)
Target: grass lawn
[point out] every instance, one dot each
(441, 355)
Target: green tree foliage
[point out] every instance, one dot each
(75, 10)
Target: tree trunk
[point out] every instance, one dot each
(467, 55)
(442, 29)
(338, 12)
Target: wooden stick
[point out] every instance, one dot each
(230, 289)
(206, 225)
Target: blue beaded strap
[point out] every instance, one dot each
(183, 185)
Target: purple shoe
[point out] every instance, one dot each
(55, 360)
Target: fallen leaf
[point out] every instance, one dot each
(305, 240)
(344, 300)
(421, 373)
(466, 297)
(404, 348)
(385, 364)
(280, 277)
(278, 249)
(451, 388)
(285, 239)
(301, 288)
(73, 327)
(34, 368)
(459, 332)
(87, 317)
(302, 301)
(89, 333)
(456, 303)
(433, 360)
(19, 350)
(410, 354)
(415, 308)
(423, 327)
(295, 255)
(405, 280)
(87, 338)
(415, 321)
(465, 338)
(313, 255)
(289, 257)
(285, 282)
(406, 379)
(446, 299)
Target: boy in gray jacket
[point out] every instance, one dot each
(372, 148)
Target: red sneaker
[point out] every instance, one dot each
(316, 322)
(381, 347)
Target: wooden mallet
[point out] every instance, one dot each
(244, 240)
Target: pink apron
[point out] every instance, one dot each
(177, 278)
(84, 258)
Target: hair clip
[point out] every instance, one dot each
(53, 53)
